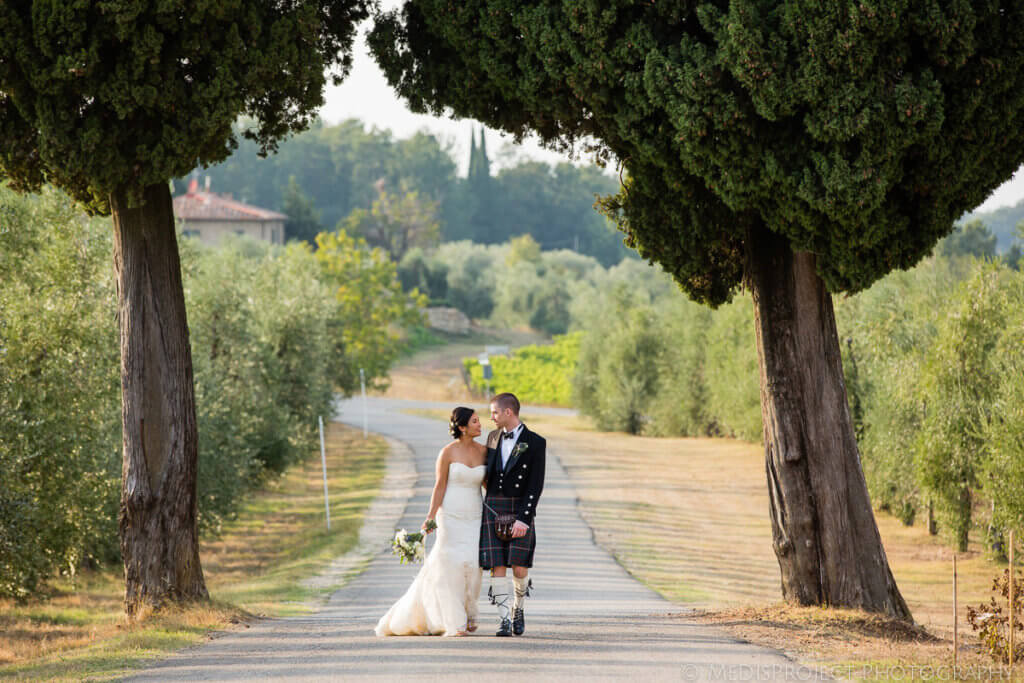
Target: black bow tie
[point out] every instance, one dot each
(508, 435)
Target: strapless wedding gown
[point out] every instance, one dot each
(443, 596)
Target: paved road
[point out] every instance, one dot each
(587, 617)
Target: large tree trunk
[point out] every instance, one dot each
(823, 527)
(159, 537)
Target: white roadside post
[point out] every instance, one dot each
(362, 386)
(323, 461)
(485, 365)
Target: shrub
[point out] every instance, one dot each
(1004, 432)
(471, 276)
(991, 622)
(731, 372)
(958, 385)
(275, 331)
(618, 374)
(680, 405)
(60, 431)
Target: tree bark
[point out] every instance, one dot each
(159, 535)
(823, 528)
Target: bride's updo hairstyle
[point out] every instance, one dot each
(460, 418)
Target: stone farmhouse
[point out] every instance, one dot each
(210, 217)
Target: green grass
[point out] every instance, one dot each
(256, 568)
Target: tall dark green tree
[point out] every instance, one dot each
(794, 147)
(303, 219)
(479, 194)
(109, 101)
(971, 239)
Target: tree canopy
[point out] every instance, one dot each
(858, 132)
(109, 101)
(97, 97)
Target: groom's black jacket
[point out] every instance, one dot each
(523, 477)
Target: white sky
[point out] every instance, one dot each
(366, 95)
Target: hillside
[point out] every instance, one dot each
(1002, 222)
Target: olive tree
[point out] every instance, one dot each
(793, 147)
(109, 100)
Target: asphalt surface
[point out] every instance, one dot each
(587, 618)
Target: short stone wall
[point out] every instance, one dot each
(450, 320)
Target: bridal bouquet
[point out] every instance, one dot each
(408, 546)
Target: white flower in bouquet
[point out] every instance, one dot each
(408, 546)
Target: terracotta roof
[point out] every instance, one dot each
(196, 205)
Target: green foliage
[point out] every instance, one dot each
(938, 372)
(1014, 257)
(731, 372)
(970, 239)
(513, 285)
(274, 332)
(303, 220)
(522, 249)
(121, 95)
(420, 337)
(1004, 433)
(536, 374)
(363, 332)
(535, 288)
(680, 405)
(471, 276)
(1004, 222)
(60, 417)
(859, 134)
(675, 368)
(887, 334)
(395, 223)
(337, 167)
(958, 374)
(618, 372)
(428, 275)
(554, 204)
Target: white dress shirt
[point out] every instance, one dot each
(508, 444)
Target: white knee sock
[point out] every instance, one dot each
(499, 595)
(522, 589)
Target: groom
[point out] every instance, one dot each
(515, 478)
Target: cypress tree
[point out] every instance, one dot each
(484, 169)
(792, 147)
(109, 101)
(473, 162)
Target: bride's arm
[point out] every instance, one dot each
(440, 484)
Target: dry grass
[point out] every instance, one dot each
(689, 517)
(255, 568)
(853, 644)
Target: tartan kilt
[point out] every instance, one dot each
(497, 553)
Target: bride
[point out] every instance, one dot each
(443, 597)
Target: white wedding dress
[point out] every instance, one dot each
(443, 596)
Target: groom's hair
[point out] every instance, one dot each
(507, 400)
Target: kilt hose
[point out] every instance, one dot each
(497, 553)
